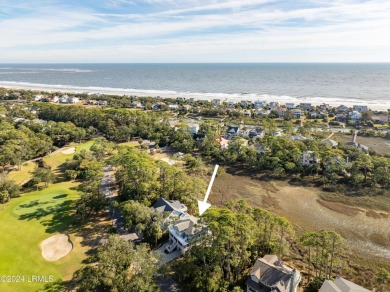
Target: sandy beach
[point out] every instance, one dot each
(372, 104)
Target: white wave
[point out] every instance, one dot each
(19, 72)
(375, 104)
(69, 70)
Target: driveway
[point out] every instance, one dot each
(166, 258)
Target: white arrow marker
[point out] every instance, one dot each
(203, 206)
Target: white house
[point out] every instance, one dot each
(355, 116)
(270, 274)
(38, 97)
(308, 158)
(341, 285)
(193, 129)
(184, 233)
(73, 99)
(172, 209)
(173, 107)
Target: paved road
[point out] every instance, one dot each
(106, 189)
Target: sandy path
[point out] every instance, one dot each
(298, 204)
(69, 150)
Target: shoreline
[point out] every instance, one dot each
(379, 105)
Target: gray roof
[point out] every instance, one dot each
(163, 205)
(341, 285)
(272, 274)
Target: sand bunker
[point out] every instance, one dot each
(69, 150)
(56, 247)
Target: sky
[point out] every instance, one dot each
(190, 31)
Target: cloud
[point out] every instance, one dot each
(195, 30)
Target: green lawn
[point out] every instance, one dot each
(24, 174)
(59, 158)
(28, 220)
(129, 144)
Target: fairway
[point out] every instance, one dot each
(28, 220)
(57, 158)
(24, 174)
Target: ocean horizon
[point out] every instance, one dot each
(335, 83)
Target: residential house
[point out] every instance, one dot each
(281, 111)
(298, 138)
(204, 101)
(317, 115)
(101, 102)
(258, 148)
(273, 105)
(246, 113)
(330, 142)
(259, 104)
(63, 99)
(308, 158)
(355, 116)
(37, 97)
(173, 107)
(245, 103)
(180, 98)
(256, 133)
(305, 106)
(223, 143)
(277, 134)
(135, 104)
(270, 274)
(261, 113)
(341, 118)
(290, 105)
(172, 209)
(358, 146)
(297, 113)
(341, 285)
(360, 108)
(193, 128)
(184, 233)
(342, 109)
(383, 119)
(232, 131)
(217, 102)
(158, 106)
(325, 107)
(231, 103)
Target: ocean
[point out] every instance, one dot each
(360, 83)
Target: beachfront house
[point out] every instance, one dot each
(290, 105)
(341, 285)
(342, 109)
(184, 233)
(37, 97)
(270, 274)
(273, 105)
(308, 158)
(135, 104)
(305, 106)
(259, 104)
(231, 103)
(360, 108)
(216, 101)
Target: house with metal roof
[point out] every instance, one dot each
(341, 285)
